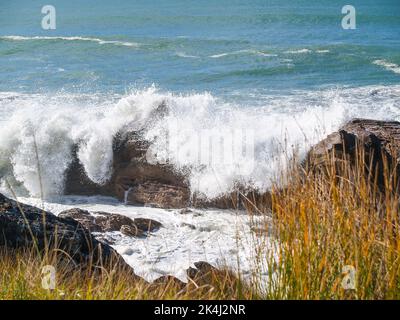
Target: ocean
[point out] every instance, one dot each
(285, 71)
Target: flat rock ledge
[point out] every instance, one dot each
(108, 222)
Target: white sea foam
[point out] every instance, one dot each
(248, 51)
(388, 65)
(219, 237)
(185, 55)
(76, 38)
(279, 123)
(299, 51)
(305, 50)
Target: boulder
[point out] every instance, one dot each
(130, 231)
(106, 222)
(379, 141)
(203, 273)
(83, 217)
(134, 180)
(156, 194)
(147, 225)
(24, 226)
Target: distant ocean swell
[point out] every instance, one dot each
(281, 55)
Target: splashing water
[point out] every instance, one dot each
(283, 123)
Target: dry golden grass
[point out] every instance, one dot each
(333, 216)
(21, 277)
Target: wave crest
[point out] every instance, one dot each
(281, 124)
(388, 65)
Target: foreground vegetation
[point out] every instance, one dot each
(338, 231)
(21, 277)
(337, 237)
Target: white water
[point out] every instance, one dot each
(272, 128)
(223, 238)
(388, 65)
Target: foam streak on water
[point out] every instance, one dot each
(77, 38)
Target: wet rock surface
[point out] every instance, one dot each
(24, 226)
(134, 179)
(108, 222)
(138, 180)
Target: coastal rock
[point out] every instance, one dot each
(185, 211)
(137, 181)
(107, 222)
(379, 140)
(147, 225)
(134, 179)
(169, 282)
(83, 217)
(156, 194)
(203, 273)
(24, 226)
(130, 231)
(188, 225)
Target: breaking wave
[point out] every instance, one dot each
(49, 126)
(388, 65)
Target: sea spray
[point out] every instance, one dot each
(282, 125)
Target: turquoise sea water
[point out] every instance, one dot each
(225, 47)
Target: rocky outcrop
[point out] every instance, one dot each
(134, 179)
(378, 140)
(137, 181)
(106, 222)
(24, 226)
(203, 272)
